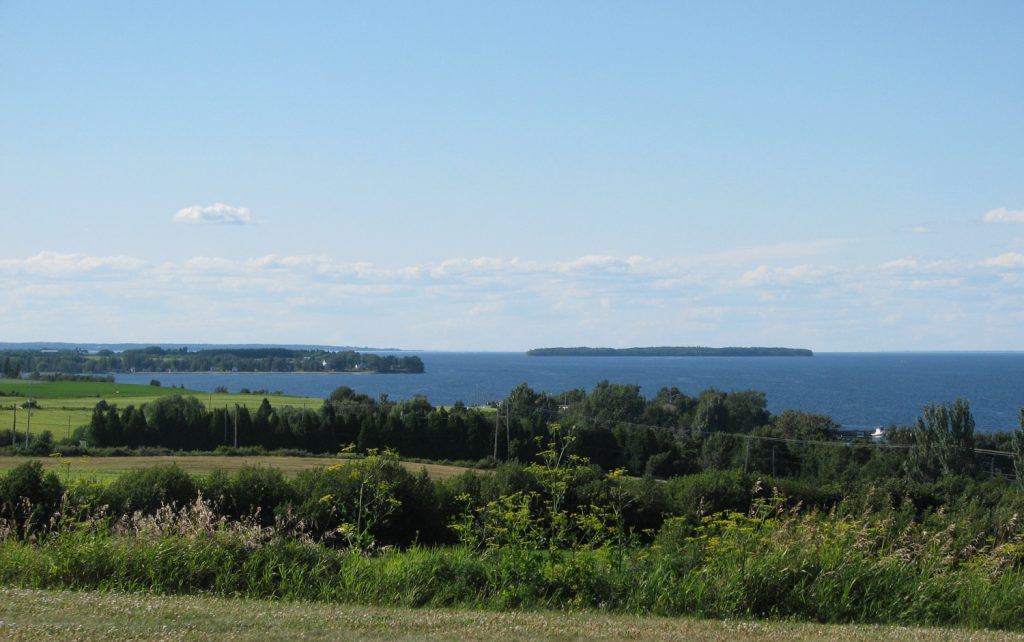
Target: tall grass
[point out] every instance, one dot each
(770, 562)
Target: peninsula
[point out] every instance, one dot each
(226, 359)
(670, 351)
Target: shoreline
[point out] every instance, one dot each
(256, 372)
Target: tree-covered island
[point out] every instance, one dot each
(670, 351)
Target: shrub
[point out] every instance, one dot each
(252, 490)
(28, 497)
(376, 496)
(147, 489)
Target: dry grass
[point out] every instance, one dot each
(57, 615)
(108, 468)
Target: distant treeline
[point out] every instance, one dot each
(613, 426)
(670, 351)
(157, 359)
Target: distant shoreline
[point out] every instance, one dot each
(257, 372)
(670, 351)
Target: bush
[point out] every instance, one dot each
(42, 444)
(147, 489)
(376, 496)
(28, 497)
(252, 490)
(710, 491)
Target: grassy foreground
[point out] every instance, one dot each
(66, 615)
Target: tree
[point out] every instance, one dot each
(610, 403)
(711, 413)
(11, 370)
(943, 442)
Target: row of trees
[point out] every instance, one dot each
(11, 369)
(613, 426)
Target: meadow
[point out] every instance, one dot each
(63, 406)
(107, 469)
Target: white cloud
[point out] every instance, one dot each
(485, 308)
(493, 302)
(479, 265)
(789, 250)
(919, 229)
(900, 264)
(1004, 215)
(602, 264)
(912, 265)
(934, 284)
(58, 264)
(1007, 260)
(764, 275)
(218, 213)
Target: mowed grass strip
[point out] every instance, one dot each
(106, 469)
(61, 615)
(27, 388)
(66, 405)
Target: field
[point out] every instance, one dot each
(60, 615)
(65, 405)
(105, 469)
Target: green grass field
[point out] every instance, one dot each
(65, 405)
(63, 615)
(106, 469)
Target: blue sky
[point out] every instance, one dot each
(465, 175)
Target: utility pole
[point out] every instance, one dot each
(14, 431)
(236, 425)
(773, 461)
(497, 414)
(28, 427)
(746, 455)
(69, 427)
(508, 426)
(225, 424)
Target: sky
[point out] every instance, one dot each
(840, 176)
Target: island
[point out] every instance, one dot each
(670, 351)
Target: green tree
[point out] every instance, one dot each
(943, 442)
(711, 413)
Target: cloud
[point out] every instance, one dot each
(1007, 260)
(900, 264)
(933, 284)
(218, 213)
(764, 275)
(1003, 215)
(788, 250)
(59, 264)
(485, 308)
(915, 266)
(919, 229)
(500, 303)
(477, 266)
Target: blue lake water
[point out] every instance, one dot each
(856, 389)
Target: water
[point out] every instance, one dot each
(856, 389)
